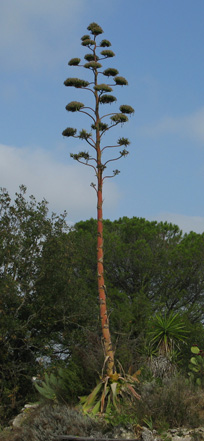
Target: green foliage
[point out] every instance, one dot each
(83, 134)
(105, 43)
(95, 29)
(44, 265)
(93, 65)
(103, 88)
(107, 99)
(111, 391)
(88, 42)
(62, 386)
(24, 229)
(74, 106)
(123, 141)
(138, 256)
(69, 131)
(100, 97)
(169, 404)
(76, 82)
(110, 72)
(47, 390)
(90, 57)
(166, 332)
(126, 109)
(125, 417)
(101, 126)
(85, 37)
(74, 62)
(107, 53)
(196, 366)
(119, 118)
(80, 155)
(121, 81)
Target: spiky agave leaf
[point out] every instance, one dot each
(74, 61)
(75, 82)
(129, 388)
(89, 402)
(105, 391)
(95, 29)
(121, 81)
(46, 390)
(74, 106)
(69, 131)
(110, 72)
(96, 408)
(53, 380)
(115, 391)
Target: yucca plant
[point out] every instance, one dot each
(166, 333)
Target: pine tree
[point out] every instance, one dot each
(101, 92)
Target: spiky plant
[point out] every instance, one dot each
(166, 332)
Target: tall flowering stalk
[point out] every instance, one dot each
(101, 92)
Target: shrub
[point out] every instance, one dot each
(170, 403)
(48, 422)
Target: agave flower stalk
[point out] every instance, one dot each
(101, 93)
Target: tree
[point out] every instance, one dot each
(25, 327)
(149, 268)
(101, 95)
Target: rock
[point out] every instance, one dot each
(120, 432)
(148, 435)
(18, 420)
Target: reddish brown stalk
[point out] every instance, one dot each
(108, 350)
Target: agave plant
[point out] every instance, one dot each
(111, 391)
(59, 386)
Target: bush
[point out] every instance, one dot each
(48, 422)
(171, 403)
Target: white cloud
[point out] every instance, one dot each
(185, 126)
(64, 186)
(33, 33)
(185, 223)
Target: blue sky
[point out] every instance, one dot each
(159, 49)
